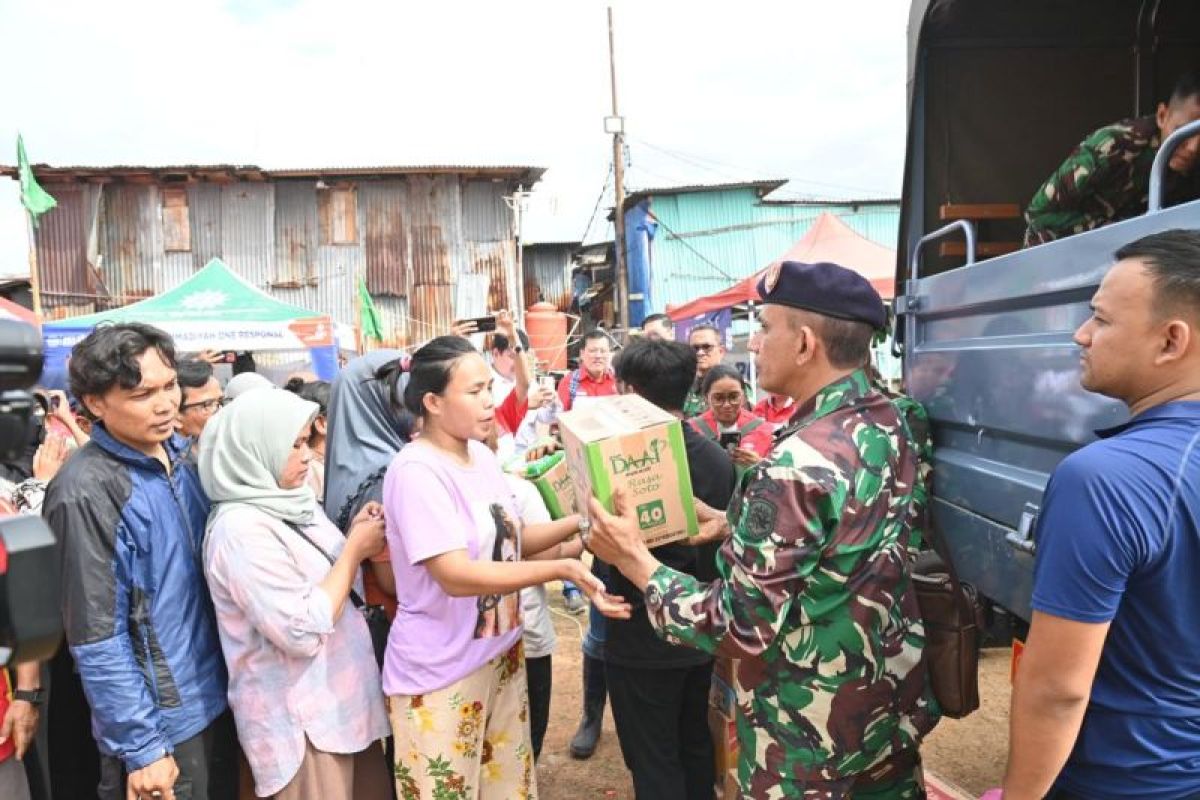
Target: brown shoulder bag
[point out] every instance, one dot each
(951, 612)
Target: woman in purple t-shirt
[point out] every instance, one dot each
(455, 671)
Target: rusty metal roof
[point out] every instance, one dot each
(248, 172)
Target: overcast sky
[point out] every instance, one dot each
(712, 92)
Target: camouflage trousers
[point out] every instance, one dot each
(898, 778)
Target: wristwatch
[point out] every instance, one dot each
(32, 696)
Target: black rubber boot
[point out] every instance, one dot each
(594, 694)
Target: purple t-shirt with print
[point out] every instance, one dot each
(435, 505)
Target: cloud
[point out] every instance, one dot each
(711, 92)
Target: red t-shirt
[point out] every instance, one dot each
(588, 387)
(510, 413)
(776, 415)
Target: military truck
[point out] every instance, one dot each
(999, 92)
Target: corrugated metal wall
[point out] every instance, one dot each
(548, 274)
(705, 234)
(419, 238)
(62, 244)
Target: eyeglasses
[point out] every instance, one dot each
(725, 399)
(207, 406)
(703, 348)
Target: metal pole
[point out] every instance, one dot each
(1162, 159)
(619, 199)
(35, 284)
(518, 209)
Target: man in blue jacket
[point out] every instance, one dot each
(130, 514)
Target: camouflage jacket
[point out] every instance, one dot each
(1105, 179)
(815, 596)
(694, 404)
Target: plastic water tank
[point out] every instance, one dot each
(547, 328)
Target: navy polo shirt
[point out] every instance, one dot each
(1119, 541)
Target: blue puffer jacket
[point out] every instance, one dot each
(137, 612)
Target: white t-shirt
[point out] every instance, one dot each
(539, 628)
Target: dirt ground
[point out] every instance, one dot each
(968, 752)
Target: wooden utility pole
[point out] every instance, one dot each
(616, 126)
(35, 283)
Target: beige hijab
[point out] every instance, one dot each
(244, 449)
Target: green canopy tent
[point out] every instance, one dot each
(215, 309)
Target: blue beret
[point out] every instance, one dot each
(823, 288)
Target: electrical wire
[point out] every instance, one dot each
(697, 253)
(599, 199)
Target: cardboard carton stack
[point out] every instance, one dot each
(722, 724)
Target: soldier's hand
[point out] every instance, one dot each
(614, 537)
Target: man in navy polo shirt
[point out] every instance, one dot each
(1107, 698)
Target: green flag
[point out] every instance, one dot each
(33, 197)
(372, 328)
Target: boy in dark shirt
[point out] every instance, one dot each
(659, 691)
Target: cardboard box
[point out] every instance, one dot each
(725, 750)
(722, 697)
(726, 669)
(553, 481)
(557, 490)
(627, 443)
(727, 786)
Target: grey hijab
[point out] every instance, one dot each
(243, 451)
(365, 431)
(245, 382)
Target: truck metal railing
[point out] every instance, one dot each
(907, 302)
(1162, 159)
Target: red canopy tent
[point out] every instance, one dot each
(10, 310)
(829, 239)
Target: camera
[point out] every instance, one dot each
(30, 620)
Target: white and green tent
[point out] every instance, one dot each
(215, 309)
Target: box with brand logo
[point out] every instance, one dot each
(553, 481)
(628, 443)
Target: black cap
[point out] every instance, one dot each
(823, 288)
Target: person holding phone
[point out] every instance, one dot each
(747, 437)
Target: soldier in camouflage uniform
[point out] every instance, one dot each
(1107, 176)
(814, 595)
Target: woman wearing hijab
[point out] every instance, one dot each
(245, 382)
(365, 431)
(304, 687)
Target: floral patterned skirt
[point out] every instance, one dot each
(469, 741)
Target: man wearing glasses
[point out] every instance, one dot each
(706, 343)
(594, 377)
(201, 397)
